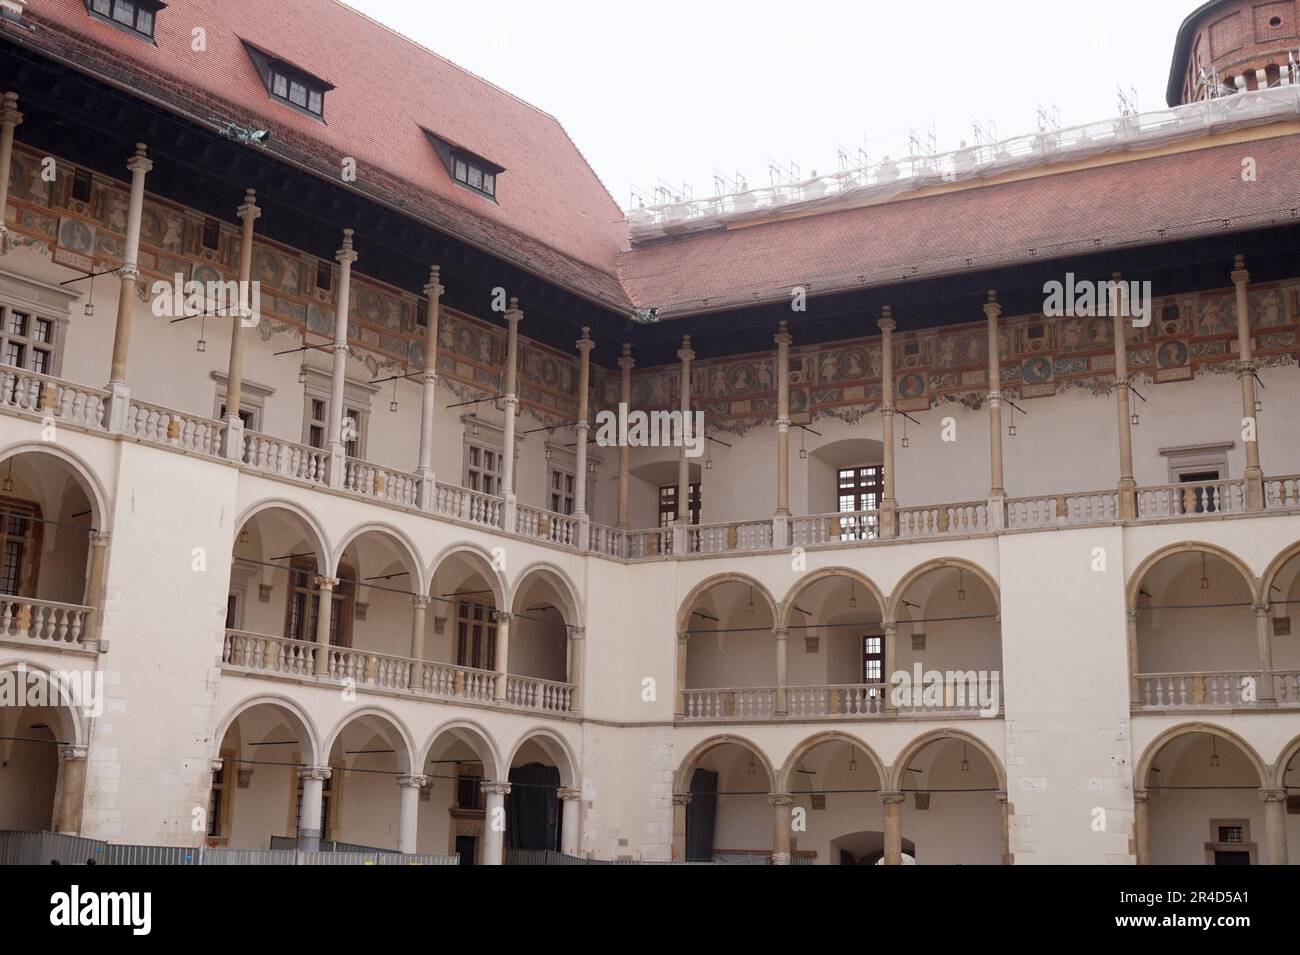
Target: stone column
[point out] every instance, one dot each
(429, 383)
(338, 453)
(891, 663)
(503, 657)
(10, 118)
(571, 821)
(680, 803)
(419, 607)
(781, 803)
(1141, 828)
(626, 364)
(71, 789)
(408, 812)
(119, 394)
(997, 489)
(1245, 353)
(781, 519)
(1123, 402)
(513, 318)
(325, 587)
(1004, 807)
(577, 669)
(893, 827)
(1264, 638)
(889, 504)
(248, 213)
(94, 598)
(309, 819)
(682, 638)
(1275, 848)
(494, 820)
(686, 355)
(584, 346)
(782, 696)
(1135, 685)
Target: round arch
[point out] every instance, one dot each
(495, 579)
(1190, 729)
(920, 570)
(1188, 547)
(825, 573)
(296, 713)
(472, 735)
(1289, 752)
(73, 727)
(100, 511)
(556, 747)
(405, 754)
(410, 553)
(574, 611)
(934, 736)
(316, 535)
(1275, 568)
(704, 586)
(682, 777)
(802, 750)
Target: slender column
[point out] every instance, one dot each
(682, 638)
(585, 345)
(997, 490)
(71, 789)
(1245, 353)
(513, 318)
(429, 383)
(576, 668)
(1141, 827)
(95, 587)
(781, 803)
(10, 118)
(248, 213)
(1004, 806)
(1123, 402)
(1264, 637)
(419, 606)
(1135, 685)
(680, 803)
(893, 827)
(571, 821)
(408, 812)
(626, 364)
(889, 503)
(495, 821)
(782, 696)
(683, 463)
(325, 587)
(891, 662)
(780, 524)
(503, 657)
(120, 394)
(309, 821)
(1275, 849)
(337, 444)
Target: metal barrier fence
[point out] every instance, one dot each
(550, 857)
(45, 848)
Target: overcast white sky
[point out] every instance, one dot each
(670, 91)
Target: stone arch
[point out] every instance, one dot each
(404, 544)
(295, 712)
(555, 746)
(1275, 568)
(825, 573)
(801, 750)
(101, 513)
(316, 532)
(1289, 752)
(920, 570)
(480, 556)
(405, 753)
(704, 586)
(1186, 547)
(682, 777)
(474, 736)
(1190, 729)
(934, 736)
(74, 729)
(574, 612)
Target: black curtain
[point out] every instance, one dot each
(532, 808)
(701, 814)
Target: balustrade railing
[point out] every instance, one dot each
(655, 542)
(42, 621)
(473, 507)
(1286, 687)
(1193, 498)
(750, 703)
(835, 528)
(1197, 690)
(296, 461)
(538, 524)
(385, 484)
(725, 538)
(544, 695)
(175, 429)
(26, 392)
(861, 700)
(1062, 509)
(972, 518)
(1282, 493)
(607, 541)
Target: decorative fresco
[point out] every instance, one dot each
(383, 321)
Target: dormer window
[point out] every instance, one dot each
(466, 168)
(289, 84)
(136, 16)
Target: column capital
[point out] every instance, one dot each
(781, 632)
(1239, 274)
(889, 626)
(780, 799)
(1132, 615)
(685, 353)
(1263, 609)
(681, 799)
(412, 781)
(568, 794)
(420, 601)
(893, 798)
(1141, 795)
(576, 633)
(70, 754)
(626, 361)
(514, 313)
(433, 288)
(139, 162)
(493, 787)
(1273, 795)
(346, 255)
(783, 336)
(886, 321)
(991, 307)
(318, 773)
(325, 583)
(684, 636)
(99, 538)
(585, 343)
(1002, 795)
(249, 209)
(216, 765)
(9, 114)
(502, 616)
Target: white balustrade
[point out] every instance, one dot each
(175, 429)
(473, 507)
(1191, 499)
(655, 542)
(727, 538)
(609, 541)
(1282, 493)
(45, 621)
(1063, 509)
(296, 461)
(1286, 687)
(1195, 690)
(561, 529)
(944, 519)
(26, 392)
(816, 701)
(746, 703)
(835, 528)
(256, 651)
(534, 694)
(385, 484)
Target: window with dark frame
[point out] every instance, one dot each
(858, 489)
(563, 492)
(873, 659)
(289, 84)
(466, 168)
(476, 635)
(668, 505)
(136, 16)
(215, 797)
(20, 538)
(27, 341)
(303, 606)
(81, 185)
(469, 791)
(211, 234)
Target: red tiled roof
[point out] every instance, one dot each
(552, 210)
(1065, 213)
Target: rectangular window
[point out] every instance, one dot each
(215, 799)
(211, 234)
(297, 94)
(668, 505)
(562, 492)
(280, 86)
(873, 659)
(135, 15)
(483, 469)
(469, 791)
(20, 539)
(476, 635)
(324, 275)
(316, 429)
(81, 186)
(124, 12)
(28, 341)
(859, 489)
(303, 606)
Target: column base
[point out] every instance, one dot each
(428, 490)
(1254, 489)
(781, 529)
(1127, 493)
(117, 407)
(997, 512)
(233, 446)
(338, 467)
(510, 513)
